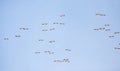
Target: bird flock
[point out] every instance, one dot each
(66, 59)
(106, 28)
(45, 29)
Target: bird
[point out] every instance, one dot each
(100, 15)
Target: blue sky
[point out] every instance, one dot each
(90, 50)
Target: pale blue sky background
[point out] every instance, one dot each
(91, 50)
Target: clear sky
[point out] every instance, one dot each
(91, 50)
